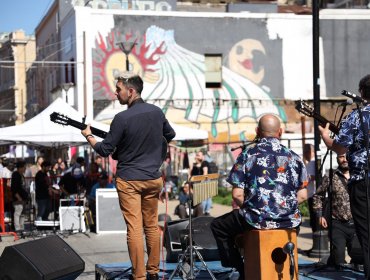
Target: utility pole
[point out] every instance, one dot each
(127, 47)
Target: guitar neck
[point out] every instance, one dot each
(333, 128)
(96, 131)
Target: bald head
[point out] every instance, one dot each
(269, 126)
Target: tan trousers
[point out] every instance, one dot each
(139, 205)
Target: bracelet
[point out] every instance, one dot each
(89, 135)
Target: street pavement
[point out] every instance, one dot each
(106, 248)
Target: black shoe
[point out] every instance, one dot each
(153, 276)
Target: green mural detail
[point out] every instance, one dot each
(234, 102)
(215, 113)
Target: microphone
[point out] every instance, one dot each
(355, 98)
(348, 102)
(288, 248)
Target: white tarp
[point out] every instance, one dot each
(41, 131)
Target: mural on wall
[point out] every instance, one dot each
(174, 77)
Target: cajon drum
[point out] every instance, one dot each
(264, 258)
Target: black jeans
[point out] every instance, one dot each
(225, 228)
(359, 207)
(342, 236)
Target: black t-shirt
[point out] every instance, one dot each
(69, 183)
(199, 170)
(42, 183)
(18, 185)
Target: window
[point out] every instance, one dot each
(213, 70)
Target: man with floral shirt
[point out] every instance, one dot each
(342, 226)
(351, 141)
(268, 182)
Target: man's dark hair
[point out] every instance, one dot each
(364, 86)
(46, 163)
(80, 160)
(20, 164)
(135, 82)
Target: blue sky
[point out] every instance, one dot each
(22, 14)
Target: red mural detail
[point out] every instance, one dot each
(107, 47)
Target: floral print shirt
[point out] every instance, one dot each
(341, 209)
(351, 136)
(270, 175)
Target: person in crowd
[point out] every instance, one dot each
(43, 184)
(182, 210)
(72, 182)
(309, 161)
(62, 168)
(54, 173)
(102, 183)
(352, 140)
(31, 172)
(92, 177)
(268, 180)
(200, 167)
(137, 136)
(99, 162)
(19, 195)
(80, 163)
(166, 169)
(342, 226)
(6, 176)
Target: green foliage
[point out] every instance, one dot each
(303, 207)
(224, 196)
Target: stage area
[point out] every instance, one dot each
(307, 270)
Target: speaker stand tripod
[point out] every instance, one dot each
(187, 259)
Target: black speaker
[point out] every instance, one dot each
(46, 258)
(176, 234)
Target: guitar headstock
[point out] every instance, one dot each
(59, 118)
(304, 108)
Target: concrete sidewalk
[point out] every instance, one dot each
(111, 248)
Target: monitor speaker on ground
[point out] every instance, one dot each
(46, 258)
(203, 238)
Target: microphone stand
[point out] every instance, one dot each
(245, 144)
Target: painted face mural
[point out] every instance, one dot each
(175, 81)
(242, 59)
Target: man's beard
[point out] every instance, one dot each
(343, 168)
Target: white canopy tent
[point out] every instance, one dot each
(184, 133)
(40, 131)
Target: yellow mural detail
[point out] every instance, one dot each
(241, 59)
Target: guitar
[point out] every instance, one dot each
(64, 120)
(307, 110)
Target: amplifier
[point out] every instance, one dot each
(109, 217)
(71, 218)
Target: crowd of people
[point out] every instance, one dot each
(39, 187)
